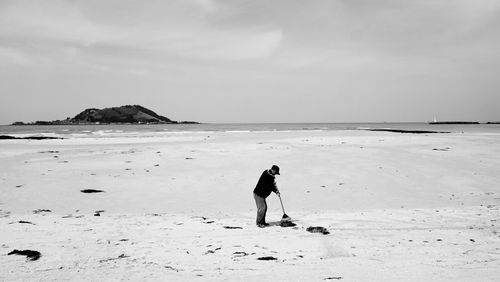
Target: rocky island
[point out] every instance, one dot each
(132, 114)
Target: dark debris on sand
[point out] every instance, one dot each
(91, 191)
(23, 222)
(212, 251)
(172, 268)
(111, 259)
(241, 254)
(40, 211)
(233, 227)
(98, 213)
(287, 223)
(30, 254)
(442, 149)
(267, 258)
(318, 229)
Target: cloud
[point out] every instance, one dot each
(13, 56)
(208, 5)
(287, 35)
(228, 44)
(39, 26)
(56, 20)
(137, 72)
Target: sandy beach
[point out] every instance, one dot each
(179, 207)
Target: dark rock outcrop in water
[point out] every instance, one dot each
(453, 122)
(6, 137)
(407, 131)
(125, 114)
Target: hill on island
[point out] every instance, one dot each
(123, 114)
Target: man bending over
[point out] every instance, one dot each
(265, 186)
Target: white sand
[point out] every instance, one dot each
(397, 210)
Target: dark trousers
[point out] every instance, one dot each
(261, 209)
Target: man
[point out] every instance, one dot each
(265, 186)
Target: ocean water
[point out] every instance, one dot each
(124, 130)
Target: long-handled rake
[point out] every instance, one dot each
(285, 217)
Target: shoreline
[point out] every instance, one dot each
(132, 130)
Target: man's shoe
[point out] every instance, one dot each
(262, 225)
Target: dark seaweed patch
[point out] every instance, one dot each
(318, 229)
(41, 210)
(287, 223)
(267, 258)
(30, 254)
(91, 191)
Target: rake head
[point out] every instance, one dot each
(285, 217)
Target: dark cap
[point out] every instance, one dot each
(276, 168)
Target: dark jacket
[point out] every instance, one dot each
(266, 185)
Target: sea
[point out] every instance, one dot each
(126, 130)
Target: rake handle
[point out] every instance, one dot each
(279, 196)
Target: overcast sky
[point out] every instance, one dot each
(252, 61)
